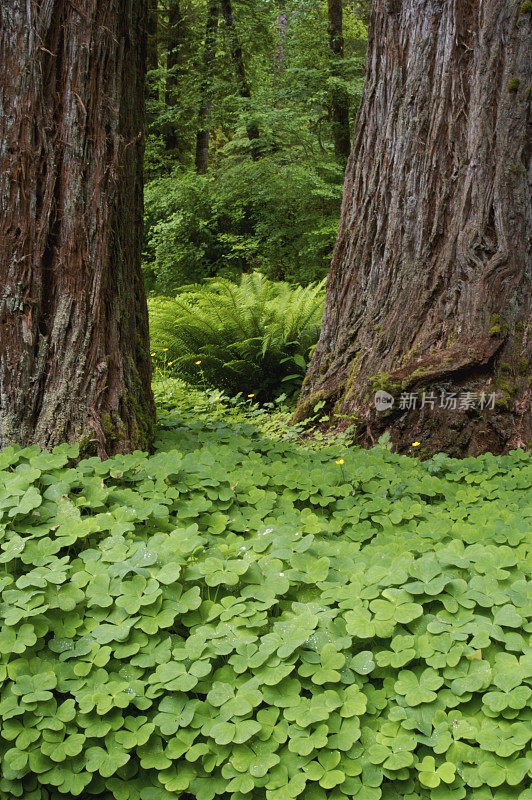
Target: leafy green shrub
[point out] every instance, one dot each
(184, 234)
(272, 205)
(251, 338)
(277, 217)
(249, 620)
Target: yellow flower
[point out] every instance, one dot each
(340, 461)
(217, 399)
(152, 354)
(416, 444)
(251, 395)
(198, 362)
(165, 349)
(169, 364)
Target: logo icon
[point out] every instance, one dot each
(383, 400)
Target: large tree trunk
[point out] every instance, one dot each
(74, 356)
(237, 57)
(430, 284)
(339, 100)
(203, 132)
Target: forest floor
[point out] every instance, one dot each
(245, 615)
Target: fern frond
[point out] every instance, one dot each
(245, 335)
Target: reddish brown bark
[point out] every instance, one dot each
(74, 358)
(430, 283)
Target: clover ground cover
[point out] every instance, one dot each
(240, 617)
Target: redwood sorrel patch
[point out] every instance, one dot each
(242, 617)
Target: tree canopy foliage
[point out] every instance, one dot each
(263, 80)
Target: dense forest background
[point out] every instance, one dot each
(249, 124)
(250, 108)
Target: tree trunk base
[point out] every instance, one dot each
(459, 403)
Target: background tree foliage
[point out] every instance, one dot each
(255, 82)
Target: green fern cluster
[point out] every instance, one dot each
(253, 337)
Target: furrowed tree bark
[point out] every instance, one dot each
(339, 102)
(237, 57)
(203, 133)
(430, 283)
(74, 353)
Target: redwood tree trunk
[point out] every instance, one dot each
(74, 357)
(430, 284)
(339, 101)
(203, 133)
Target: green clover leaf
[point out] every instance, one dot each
(106, 762)
(418, 687)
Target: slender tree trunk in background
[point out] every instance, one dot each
(152, 60)
(237, 58)
(282, 30)
(175, 36)
(362, 9)
(74, 353)
(204, 113)
(339, 102)
(430, 284)
(174, 40)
